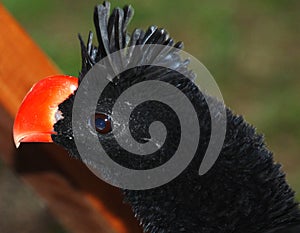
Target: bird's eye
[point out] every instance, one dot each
(102, 123)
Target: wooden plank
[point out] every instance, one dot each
(81, 201)
(21, 63)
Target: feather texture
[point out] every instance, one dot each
(244, 192)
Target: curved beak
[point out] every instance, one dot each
(39, 110)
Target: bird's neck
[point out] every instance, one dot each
(244, 192)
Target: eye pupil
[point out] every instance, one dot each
(102, 123)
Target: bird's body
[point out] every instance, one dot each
(244, 192)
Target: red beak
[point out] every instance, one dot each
(37, 113)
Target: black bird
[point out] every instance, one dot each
(244, 192)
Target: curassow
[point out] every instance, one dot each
(244, 192)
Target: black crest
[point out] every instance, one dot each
(112, 35)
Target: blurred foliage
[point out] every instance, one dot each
(251, 48)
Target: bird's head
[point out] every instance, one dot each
(45, 114)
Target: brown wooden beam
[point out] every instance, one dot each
(81, 201)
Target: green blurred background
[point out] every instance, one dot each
(251, 48)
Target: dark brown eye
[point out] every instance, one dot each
(102, 123)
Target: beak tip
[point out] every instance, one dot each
(17, 141)
(17, 144)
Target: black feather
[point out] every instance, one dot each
(244, 192)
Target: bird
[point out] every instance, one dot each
(245, 191)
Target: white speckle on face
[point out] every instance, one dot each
(73, 87)
(128, 103)
(58, 115)
(158, 144)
